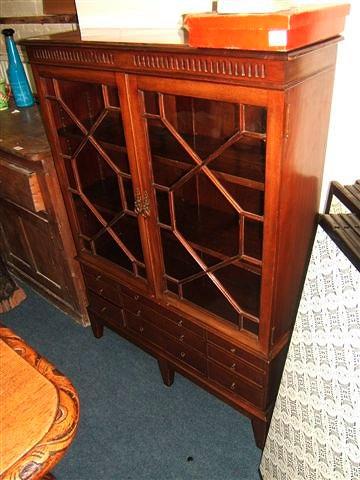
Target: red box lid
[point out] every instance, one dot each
(283, 30)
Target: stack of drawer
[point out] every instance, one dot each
(181, 341)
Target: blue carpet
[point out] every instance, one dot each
(132, 427)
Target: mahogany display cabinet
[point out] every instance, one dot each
(192, 181)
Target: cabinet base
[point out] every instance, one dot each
(167, 370)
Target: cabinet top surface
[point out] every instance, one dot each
(73, 39)
(22, 133)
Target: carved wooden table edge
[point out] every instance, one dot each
(36, 463)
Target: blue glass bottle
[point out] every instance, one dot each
(17, 77)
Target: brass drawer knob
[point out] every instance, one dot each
(103, 309)
(100, 291)
(233, 366)
(98, 277)
(141, 329)
(233, 350)
(181, 338)
(233, 386)
(136, 297)
(138, 313)
(182, 354)
(179, 323)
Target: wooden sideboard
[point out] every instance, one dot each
(192, 181)
(36, 240)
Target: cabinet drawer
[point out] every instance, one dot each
(236, 365)
(235, 350)
(175, 318)
(185, 336)
(138, 309)
(235, 384)
(20, 186)
(105, 310)
(175, 329)
(187, 355)
(144, 329)
(102, 285)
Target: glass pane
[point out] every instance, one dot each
(98, 181)
(85, 100)
(163, 207)
(110, 131)
(253, 238)
(245, 159)
(249, 199)
(69, 134)
(113, 96)
(126, 228)
(205, 217)
(168, 171)
(129, 200)
(151, 101)
(89, 225)
(203, 292)
(164, 144)
(255, 119)
(204, 124)
(250, 326)
(179, 264)
(106, 247)
(243, 286)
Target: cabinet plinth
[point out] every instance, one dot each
(192, 181)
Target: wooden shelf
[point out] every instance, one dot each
(41, 19)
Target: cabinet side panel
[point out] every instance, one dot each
(303, 161)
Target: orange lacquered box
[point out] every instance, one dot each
(281, 31)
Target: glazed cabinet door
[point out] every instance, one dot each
(207, 150)
(99, 180)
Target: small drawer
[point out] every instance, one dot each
(183, 335)
(138, 309)
(239, 352)
(143, 329)
(237, 365)
(20, 186)
(187, 355)
(105, 310)
(235, 384)
(102, 285)
(132, 295)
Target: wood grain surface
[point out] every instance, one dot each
(39, 411)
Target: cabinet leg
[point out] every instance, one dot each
(97, 327)
(260, 429)
(167, 372)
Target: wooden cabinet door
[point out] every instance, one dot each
(28, 247)
(98, 178)
(206, 149)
